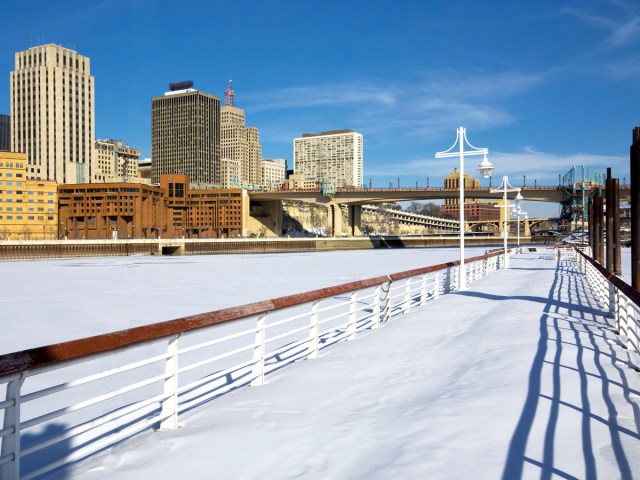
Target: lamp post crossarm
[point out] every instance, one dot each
(448, 154)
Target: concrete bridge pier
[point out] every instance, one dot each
(334, 217)
(266, 217)
(355, 220)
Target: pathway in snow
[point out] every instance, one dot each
(520, 376)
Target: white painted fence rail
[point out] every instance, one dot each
(620, 299)
(64, 402)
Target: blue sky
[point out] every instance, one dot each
(544, 85)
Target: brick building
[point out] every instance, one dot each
(475, 209)
(126, 210)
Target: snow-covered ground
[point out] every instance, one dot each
(517, 377)
(50, 301)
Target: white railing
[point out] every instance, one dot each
(620, 299)
(65, 402)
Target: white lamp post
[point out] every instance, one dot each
(517, 211)
(505, 187)
(485, 170)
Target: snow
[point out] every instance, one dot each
(90, 296)
(519, 376)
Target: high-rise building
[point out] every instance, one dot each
(241, 143)
(185, 134)
(333, 157)
(5, 132)
(52, 113)
(116, 162)
(274, 172)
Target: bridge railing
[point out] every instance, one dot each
(61, 403)
(620, 299)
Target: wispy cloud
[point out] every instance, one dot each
(625, 34)
(322, 95)
(425, 105)
(621, 32)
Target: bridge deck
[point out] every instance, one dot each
(519, 376)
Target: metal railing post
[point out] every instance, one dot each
(386, 310)
(632, 328)
(612, 301)
(11, 441)
(352, 327)
(423, 290)
(376, 308)
(169, 408)
(407, 296)
(314, 331)
(257, 372)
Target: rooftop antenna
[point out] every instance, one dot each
(229, 96)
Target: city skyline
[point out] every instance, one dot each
(544, 87)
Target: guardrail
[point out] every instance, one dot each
(620, 299)
(67, 401)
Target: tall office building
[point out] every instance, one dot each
(52, 113)
(185, 134)
(240, 142)
(333, 157)
(5, 132)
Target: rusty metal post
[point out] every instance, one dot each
(634, 164)
(600, 214)
(610, 235)
(617, 259)
(598, 247)
(592, 228)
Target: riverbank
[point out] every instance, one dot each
(33, 249)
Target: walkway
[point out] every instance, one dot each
(520, 376)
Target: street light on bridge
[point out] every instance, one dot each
(505, 187)
(485, 168)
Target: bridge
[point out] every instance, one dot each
(439, 224)
(532, 371)
(266, 205)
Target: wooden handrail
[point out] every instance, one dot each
(39, 357)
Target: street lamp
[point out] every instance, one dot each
(505, 188)
(485, 170)
(517, 211)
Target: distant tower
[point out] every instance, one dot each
(185, 134)
(229, 96)
(240, 143)
(52, 113)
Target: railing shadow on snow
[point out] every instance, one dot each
(572, 309)
(63, 403)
